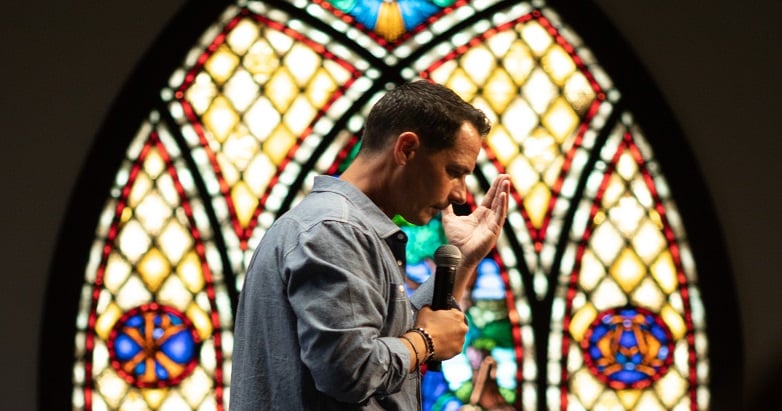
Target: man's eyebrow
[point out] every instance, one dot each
(459, 169)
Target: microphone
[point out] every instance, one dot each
(446, 258)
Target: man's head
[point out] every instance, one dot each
(431, 111)
(421, 140)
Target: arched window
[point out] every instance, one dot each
(599, 293)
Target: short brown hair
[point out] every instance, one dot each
(432, 111)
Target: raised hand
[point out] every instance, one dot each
(475, 234)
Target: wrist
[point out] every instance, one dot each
(428, 342)
(414, 348)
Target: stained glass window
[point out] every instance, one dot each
(590, 300)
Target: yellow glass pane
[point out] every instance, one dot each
(671, 388)
(608, 400)
(262, 118)
(558, 64)
(133, 241)
(299, 115)
(175, 240)
(664, 272)
(626, 166)
(241, 89)
(240, 149)
(141, 187)
(523, 176)
(502, 145)
(106, 321)
(261, 61)
(153, 396)
(627, 215)
(479, 63)
(579, 93)
(259, 173)
(303, 62)
(117, 271)
(648, 241)
(113, 389)
(194, 387)
(153, 269)
(541, 149)
(281, 90)
(201, 321)
(152, 213)
(499, 91)
(649, 295)
(560, 120)
(608, 295)
(230, 173)
(592, 272)
(627, 270)
(244, 202)
(201, 93)
(539, 91)
(581, 321)
(243, 35)
(191, 273)
(536, 203)
(585, 388)
(650, 402)
(154, 164)
(462, 84)
(519, 119)
(518, 61)
(278, 145)
(174, 293)
(615, 190)
(221, 118)
(389, 24)
(606, 242)
(674, 321)
(628, 398)
(321, 88)
(536, 37)
(132, 294)
(221, 64)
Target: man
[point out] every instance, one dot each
(323, 321)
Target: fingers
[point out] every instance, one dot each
(493, 197)
(497, 198)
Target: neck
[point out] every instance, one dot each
(374, 177)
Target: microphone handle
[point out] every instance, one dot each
(441, 299)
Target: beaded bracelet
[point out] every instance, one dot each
(417, 362)
(428, 340)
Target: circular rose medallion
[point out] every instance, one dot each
(628, 347)
(153, 346)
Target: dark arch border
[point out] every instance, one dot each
(140, 94)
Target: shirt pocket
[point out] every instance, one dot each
(400, 311)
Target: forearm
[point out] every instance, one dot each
(465, 274)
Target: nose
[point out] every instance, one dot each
(458, 194)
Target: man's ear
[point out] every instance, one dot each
(405, 147)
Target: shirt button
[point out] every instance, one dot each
(399, 262)
(400, 236)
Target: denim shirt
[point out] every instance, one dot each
(322, 308)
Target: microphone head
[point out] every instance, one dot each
(447, 255)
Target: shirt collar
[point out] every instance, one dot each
(379, 221)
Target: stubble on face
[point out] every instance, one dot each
(441, 175)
